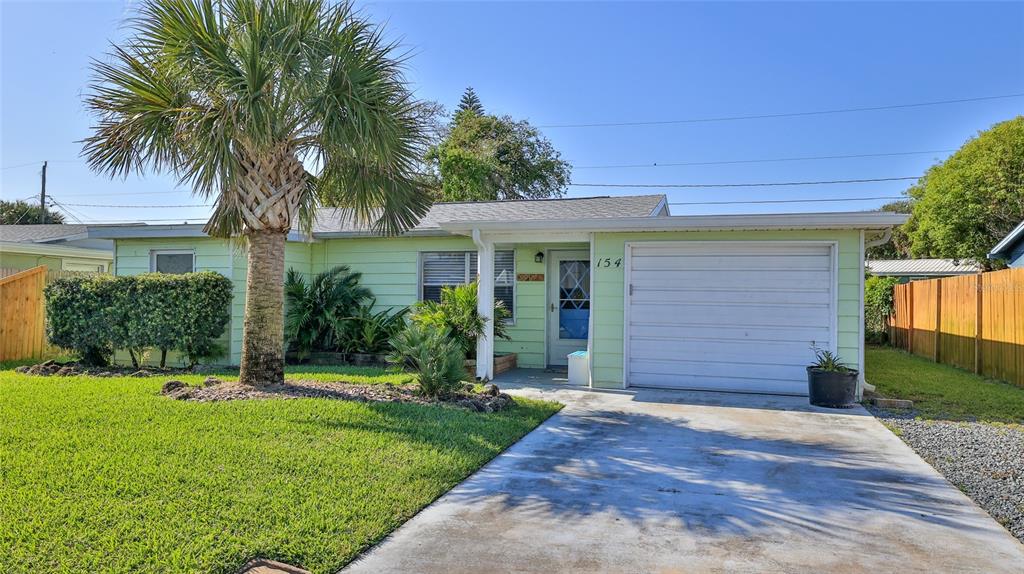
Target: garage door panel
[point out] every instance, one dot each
(737, 316)
(736, 351)
(811, 262)
(733, 296)
(730, 278)
(731, 384)
(726, 333)
(726, 248)
(752, 315)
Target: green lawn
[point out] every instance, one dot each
(106, 475)
(940, 391)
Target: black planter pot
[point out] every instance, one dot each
(831, 389)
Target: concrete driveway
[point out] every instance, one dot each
(658, 481)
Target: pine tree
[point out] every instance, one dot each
(470, 102)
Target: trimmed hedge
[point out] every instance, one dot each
(97, 315)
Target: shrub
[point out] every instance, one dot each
(96, 315)
(315, 312)
(371, 332)
(78, 311)
(433, 355)
(457, 314)
(878, 306)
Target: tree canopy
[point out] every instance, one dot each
(899, 246)
(487, 158)
(963, 206)
(470, 102)
(24, 213)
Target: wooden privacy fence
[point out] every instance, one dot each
(974, 322)
(22, 321)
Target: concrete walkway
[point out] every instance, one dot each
(678, 482)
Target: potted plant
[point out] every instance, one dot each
(830, 383)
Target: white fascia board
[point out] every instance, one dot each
(160, 231)
(1006, 242)
(55, 250)
(835, 220)
(370, 234)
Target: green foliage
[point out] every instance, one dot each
(433, 355)
(878, 306)
(178, 478)
(470, 103)
(963, 206)
(24, 213)
(370, 331)
(826, 360)
(898, 247)
(213, 91)
(79, 316)
(456, 313)
(96, 315)
(486, 158)
(315, 313)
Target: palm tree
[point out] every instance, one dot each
(237, 98)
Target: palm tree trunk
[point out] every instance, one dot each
(263, 328)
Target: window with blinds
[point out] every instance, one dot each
(441, 268)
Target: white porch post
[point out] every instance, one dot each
(485, 306)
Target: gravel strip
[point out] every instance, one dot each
(984, 460)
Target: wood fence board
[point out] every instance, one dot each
(980, 322)
(22, 318)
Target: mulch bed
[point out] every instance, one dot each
(214, 389)
(73, 369)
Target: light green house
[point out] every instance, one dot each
(58, 247)
(724, 302)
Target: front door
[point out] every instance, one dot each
(568, 304)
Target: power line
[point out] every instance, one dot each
(787, 200)
(138, 207)
(758, 184)
(735, 161)
(782, 115)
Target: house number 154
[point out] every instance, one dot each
(607, 262)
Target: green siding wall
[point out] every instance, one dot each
(13, 260)
(609, 288)
(390, 268)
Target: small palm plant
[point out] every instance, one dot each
(435, 358)
(825, 360)
(457, 314)
(270, 108)
(315, 312)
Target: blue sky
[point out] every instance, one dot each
(571, 63)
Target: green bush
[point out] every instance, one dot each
(96, 315)
(370, 331)
(878, 306)
(78, 313)
(457, 314)
(315, 312)
(433, 355)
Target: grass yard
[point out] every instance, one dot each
(940, 391)
(106, 475)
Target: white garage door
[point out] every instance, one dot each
(727, 316)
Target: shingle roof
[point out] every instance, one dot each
(340, 221)
(922, 267)
(40, 233)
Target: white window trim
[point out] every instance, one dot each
(154, 252)
(515, 281)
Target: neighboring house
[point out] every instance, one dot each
(1011, 247)
(910, 269)
(59, 247)
(720, 302)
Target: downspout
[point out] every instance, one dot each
(863, 385)
(886, 236)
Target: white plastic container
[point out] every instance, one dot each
(579, 368)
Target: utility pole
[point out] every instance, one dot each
(42, 197)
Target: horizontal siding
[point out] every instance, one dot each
(609, 289)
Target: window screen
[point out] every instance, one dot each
(176, 262)
(441, 268)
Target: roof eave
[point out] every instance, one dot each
(168, 231)
(1002, 249)
(839, 220)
